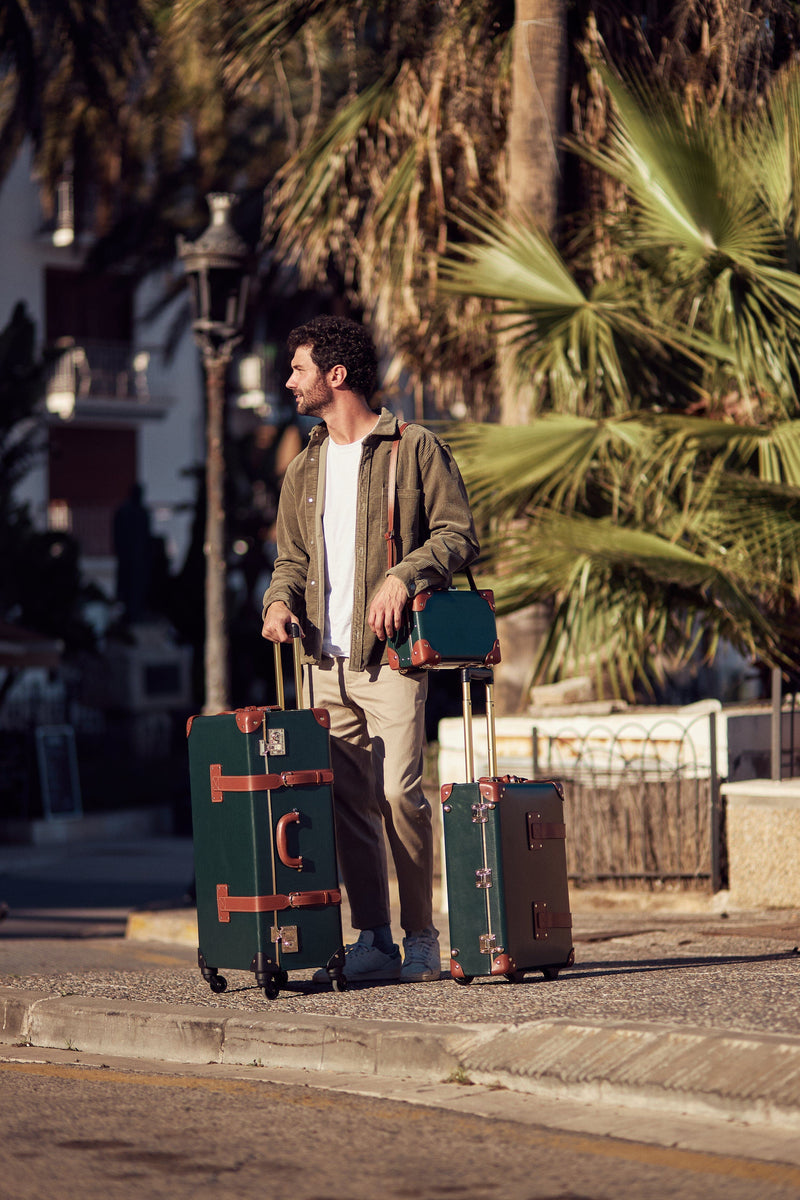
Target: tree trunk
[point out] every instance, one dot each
(533, 147)
(216, 643)
(535, 131)
(538, 109)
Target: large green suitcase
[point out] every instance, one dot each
(268, 898)
(506, 867)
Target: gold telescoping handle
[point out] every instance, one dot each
(485, 674)
(294, 629)
(276, 649)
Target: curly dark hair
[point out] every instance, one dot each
(338, 341)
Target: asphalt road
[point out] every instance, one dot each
(101, 1126)
(111, 1132)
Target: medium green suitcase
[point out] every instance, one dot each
(268, 898)
(506, 867)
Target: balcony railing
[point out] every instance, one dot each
(92, 377)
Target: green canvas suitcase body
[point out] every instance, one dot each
(506, 867)
(268, 898)
(446, 629)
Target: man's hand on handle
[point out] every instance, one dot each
(277, 621)
(386, 610)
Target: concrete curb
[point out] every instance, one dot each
(748, 1077)
(189, 1034)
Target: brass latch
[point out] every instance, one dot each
(287, 936)
(275, 742)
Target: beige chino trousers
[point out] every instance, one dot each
(377, 744)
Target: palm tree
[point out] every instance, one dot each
(654, 500)
(70, 74)
(653, 535)
(405, 127)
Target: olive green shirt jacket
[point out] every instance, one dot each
(434, 530)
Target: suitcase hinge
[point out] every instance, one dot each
(483, 877)
(488, 943)
(479, 812)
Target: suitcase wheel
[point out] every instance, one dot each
(515, 976)
(553, 971)
(273, 984)
(463, 979)
(339, 982)
(215, 981)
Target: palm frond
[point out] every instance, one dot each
(575, 347)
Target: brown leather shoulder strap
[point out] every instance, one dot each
(391, 491)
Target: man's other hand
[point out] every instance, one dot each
(386, 610)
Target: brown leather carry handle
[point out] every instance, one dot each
(288, 860)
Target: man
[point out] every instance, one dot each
(331, 578)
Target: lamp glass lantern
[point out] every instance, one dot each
(216, 268)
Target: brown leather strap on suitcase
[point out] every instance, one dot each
(226, 904)
(540, 831)
(544, 920)
(263, 783)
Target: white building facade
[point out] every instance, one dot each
(118, 413)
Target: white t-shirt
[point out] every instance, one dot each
(339, 530)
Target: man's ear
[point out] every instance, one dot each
(337, 375)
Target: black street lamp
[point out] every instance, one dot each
(217, 267)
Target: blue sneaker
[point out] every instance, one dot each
(422, 961)
(364, 961)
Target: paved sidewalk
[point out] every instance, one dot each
(673, 1003)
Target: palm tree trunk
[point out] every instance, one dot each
(535, 130)
(538, 108)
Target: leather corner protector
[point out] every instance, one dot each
(422, 653)
(494, 655)
(322, 717)
(248, 720)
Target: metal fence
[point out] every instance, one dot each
(644, 801)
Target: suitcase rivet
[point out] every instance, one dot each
(447, 808)
(454, 953)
